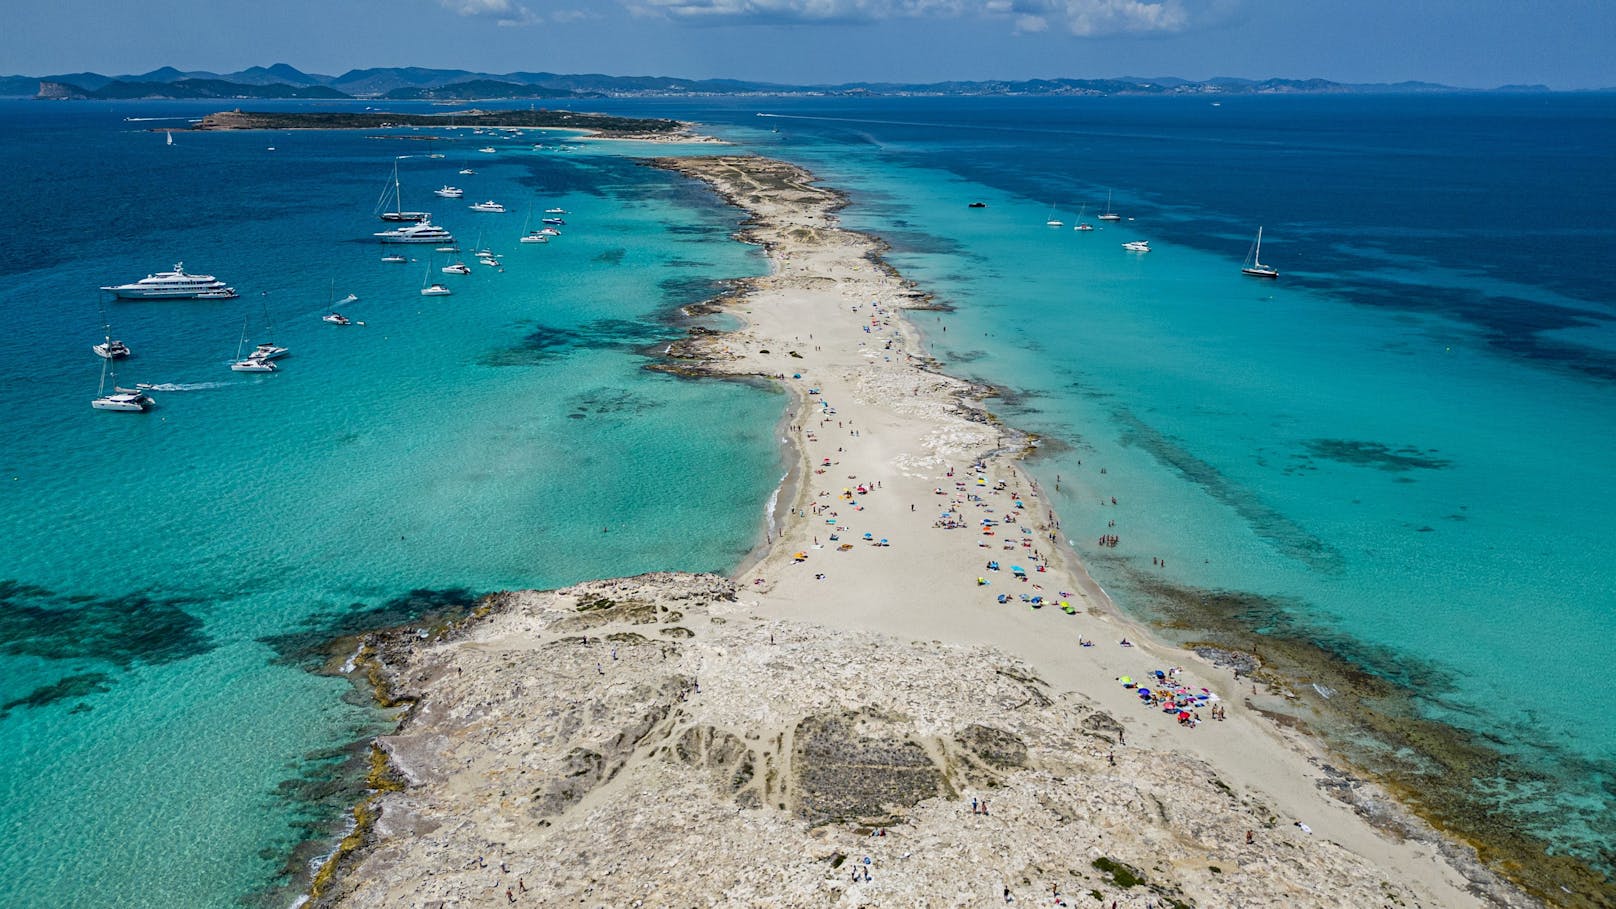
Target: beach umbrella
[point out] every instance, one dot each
(869, 536)
(1126, 680)
(883, 541)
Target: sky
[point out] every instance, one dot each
(1565, 44)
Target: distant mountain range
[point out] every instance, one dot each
(415, 83)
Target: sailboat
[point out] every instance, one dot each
(1254, 266)
(391, 193)
(109, 349)
(1052, 221)
(528, 234)
(170, 136)
(253, 362)
(128, 400)
(432, 290)
(1081, 224)
(267, 350)
(1109, 215)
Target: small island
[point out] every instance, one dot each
(598, 124)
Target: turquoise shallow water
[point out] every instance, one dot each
(157, 752)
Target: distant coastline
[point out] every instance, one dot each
(597, 124)
(282, 81)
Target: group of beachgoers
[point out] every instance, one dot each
(1161, 690)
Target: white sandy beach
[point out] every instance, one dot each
(902, 642)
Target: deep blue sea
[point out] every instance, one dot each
(1397, 455)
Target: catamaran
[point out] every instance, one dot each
(128, 400)
(1254, 266)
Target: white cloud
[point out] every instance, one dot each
(505, 12)
(1083, 18)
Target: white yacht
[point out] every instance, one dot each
(435, 290)
(424, 232)
(535, 236)
(489, 206)
(459, 268)
(549, 232)
(253, 364)
(267, 351)
(555, 211)
(466, 172)
(336, 318)
(111, 350)
(556, 222)
(489, 261)
(125, 400)
(174, 285)
(395, 258)
(1137, 246)
(449, 192)
(488, 149)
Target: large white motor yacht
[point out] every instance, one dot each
(489, 206)
(449, 192)
(174, 285)
(424, 232)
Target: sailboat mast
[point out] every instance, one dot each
(1257, 258)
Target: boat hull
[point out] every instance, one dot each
(1260, 272)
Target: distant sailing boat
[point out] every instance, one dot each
(170, 136)
(1254, 266)
(1052, 221)
(1109, 215)
(1081, 224)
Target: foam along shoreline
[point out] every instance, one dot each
(783, 738)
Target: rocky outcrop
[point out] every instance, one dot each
(562, 748)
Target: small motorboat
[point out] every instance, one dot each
(1137, 246)
(534, 236)
(395, 258)
(977, 205)
(466, 172)
(459, 268)
(549, 232)
(435, 290)
(555, 211)
(488, 149)
(489, 206)
(449, 192)
(336, 318)
(554, 222)
(267, 351)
